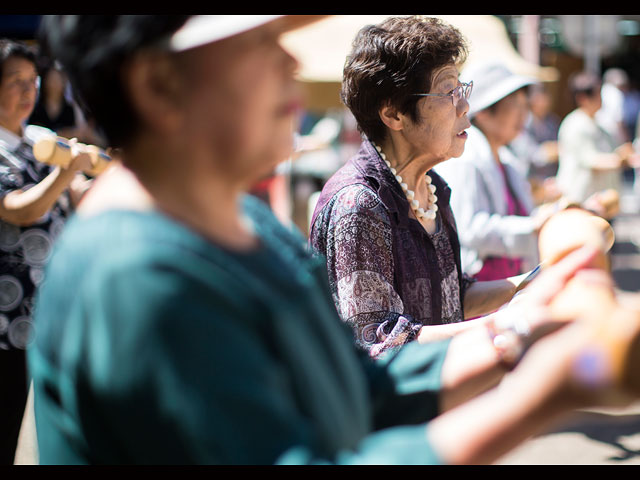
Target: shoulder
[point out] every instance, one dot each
(576, 119)
(355, 199)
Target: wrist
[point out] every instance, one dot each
(509, 335)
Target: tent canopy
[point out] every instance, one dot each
(322, 47)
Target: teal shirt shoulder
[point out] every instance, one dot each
(155, 346)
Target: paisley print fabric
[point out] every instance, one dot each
(388, 276)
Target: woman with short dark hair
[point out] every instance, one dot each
(383, 220)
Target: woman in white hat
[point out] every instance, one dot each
(182, 323)
(491, 197)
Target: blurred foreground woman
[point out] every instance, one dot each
(183, 324)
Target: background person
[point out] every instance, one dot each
(537, 145)
(33, 208)
(590, 159)
(491, 197)
(52, 110)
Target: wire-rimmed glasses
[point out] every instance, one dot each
(461, 91)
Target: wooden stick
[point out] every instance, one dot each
(57, 151)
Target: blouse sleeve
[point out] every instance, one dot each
(354, 233)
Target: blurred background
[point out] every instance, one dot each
(549, 47)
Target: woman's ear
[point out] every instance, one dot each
(391, 118)
(154, 87)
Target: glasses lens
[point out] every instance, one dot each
(458, 93)
(467, 89)
(461, 91)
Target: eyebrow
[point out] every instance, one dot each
(10, 73)
(447, 73)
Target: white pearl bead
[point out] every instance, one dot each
(430, 213)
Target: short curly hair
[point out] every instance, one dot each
(392, 60)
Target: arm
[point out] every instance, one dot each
(24, 207)
(480, 299)
(356, 240)
(481, 228)
(581, 145)
(545, 385)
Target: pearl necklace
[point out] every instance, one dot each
(420, 212)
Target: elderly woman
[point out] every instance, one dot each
(33, 207)
(383, 221)
(183, 323)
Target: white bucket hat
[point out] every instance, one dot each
(492, 81)
(202, 29)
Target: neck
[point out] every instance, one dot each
(410, 166)
(420, 193)
(589, 111)
(494, 143)
(12, 126)
(205, 201)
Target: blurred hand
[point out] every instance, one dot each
(80, 158)
(531, 304)
(605, 203)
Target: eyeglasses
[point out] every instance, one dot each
(461, 91)
(24, 84)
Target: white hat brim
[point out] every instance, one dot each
(497, 92)
(200, 30)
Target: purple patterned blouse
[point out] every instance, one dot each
(388, 276)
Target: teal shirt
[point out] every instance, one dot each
(154, 346)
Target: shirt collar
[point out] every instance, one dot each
(8, 139)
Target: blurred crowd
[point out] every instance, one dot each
(377, 286)
(327, 141)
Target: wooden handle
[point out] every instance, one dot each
(56, 151)
(616, 329)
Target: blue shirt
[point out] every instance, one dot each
(155, 346)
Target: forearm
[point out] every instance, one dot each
(24, 207)
(485, 428)
(543, 387)
(472, 366)
(605, 162)
(434, 333)
(482, 298)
